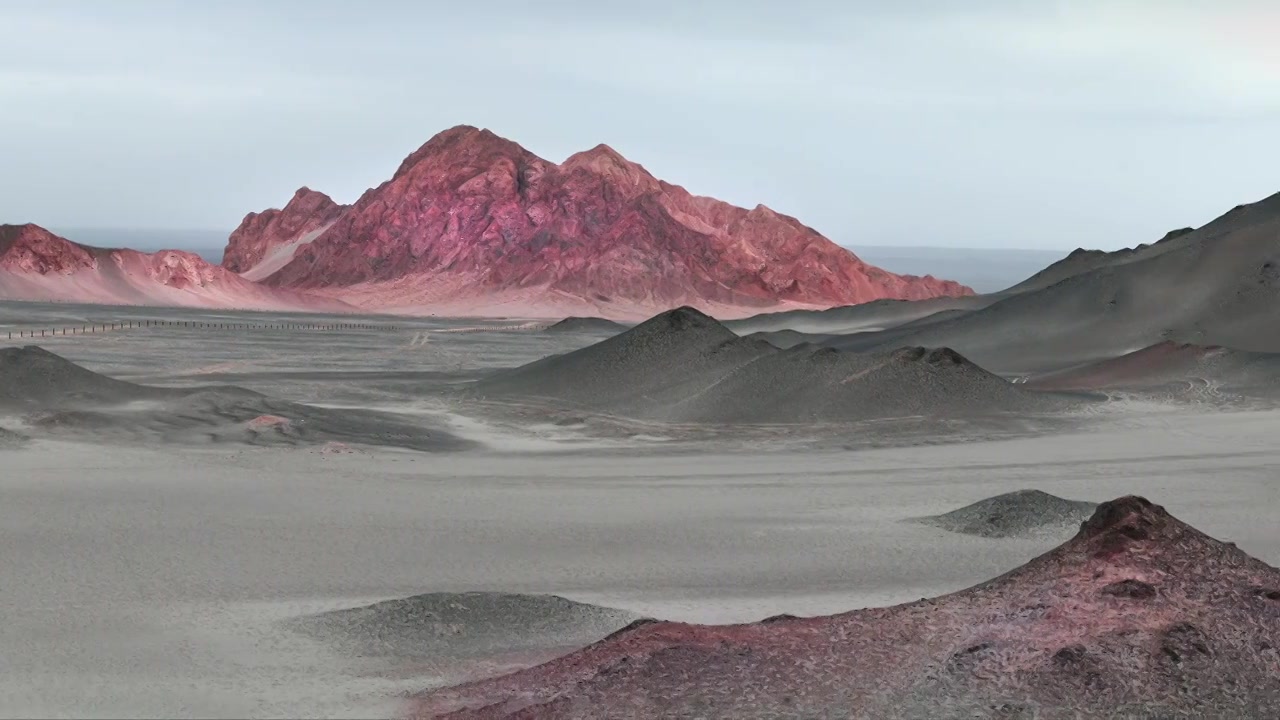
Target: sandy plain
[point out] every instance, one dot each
(152, 575)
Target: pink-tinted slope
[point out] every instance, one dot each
(37, 265)
(1139, 615)
(260, 235)
(475, 224)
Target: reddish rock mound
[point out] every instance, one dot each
(1139, 615)
(475, 224)
(261, 234)
(37, 265)
(32, 249)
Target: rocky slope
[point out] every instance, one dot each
(683, 366)
(36, 264)
(475, 224)
(1138, 616)
(272, 235)
(1216, 285)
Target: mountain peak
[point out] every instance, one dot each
(260, 233)
(304, 193)
(470, 217)
(463, 145)
(607, 162)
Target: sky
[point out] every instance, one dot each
(1038, 124)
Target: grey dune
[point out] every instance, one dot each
(437, 626)
(59, 399)
(682, 366)
(1175, 369)
(587, 325)
(1217, 285)
(1022, 513)
(866, 317)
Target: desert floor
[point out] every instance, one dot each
(148, 576)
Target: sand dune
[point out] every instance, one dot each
(1022, 513)
(1217, 285)
(1138, 616)
(32, 377)
(867, 317)
(683, 366)
(1175, 369)
(444, 627)
(587, 324)
(58, 399)
(10, 439)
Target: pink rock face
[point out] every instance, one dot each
(175, 268)
(37, 265)
(1139, 615)
(32, 249)
(261, 233)
(269, 421)
(470, 216)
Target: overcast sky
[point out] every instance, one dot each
(1036, 124)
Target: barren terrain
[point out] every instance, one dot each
(171, 558)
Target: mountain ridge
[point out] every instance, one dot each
(473, 221)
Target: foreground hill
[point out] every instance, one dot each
(36, 264)
(473, 224)
(1138, 616)
(683, 366)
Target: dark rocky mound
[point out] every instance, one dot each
(870, 316)
(440, 626)
(60, 398)
(10, 439)
(683, 366)
(34, 377)
(639, 373)
(587, 325)
(786, 339)
(1017, 514)
(813, 384)
(1138, 616)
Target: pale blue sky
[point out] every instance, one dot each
(996, 124)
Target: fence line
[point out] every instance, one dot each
(97, 328)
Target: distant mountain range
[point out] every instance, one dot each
(472, 224)
(983, 269)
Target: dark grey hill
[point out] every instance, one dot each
(682, 366)
(1170, 368)
(444, 626)
(1216, 285)
(586, 325)
(1021, 513)
(58, 398)
(867, 317)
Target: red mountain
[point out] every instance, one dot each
(35, 264)
(474, 224)
(269, 235)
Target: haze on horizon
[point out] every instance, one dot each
(1046, 125)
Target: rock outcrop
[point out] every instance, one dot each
(262, 234)
(30, 249)
(36, 264)
(472, 223)
(1138, 616)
